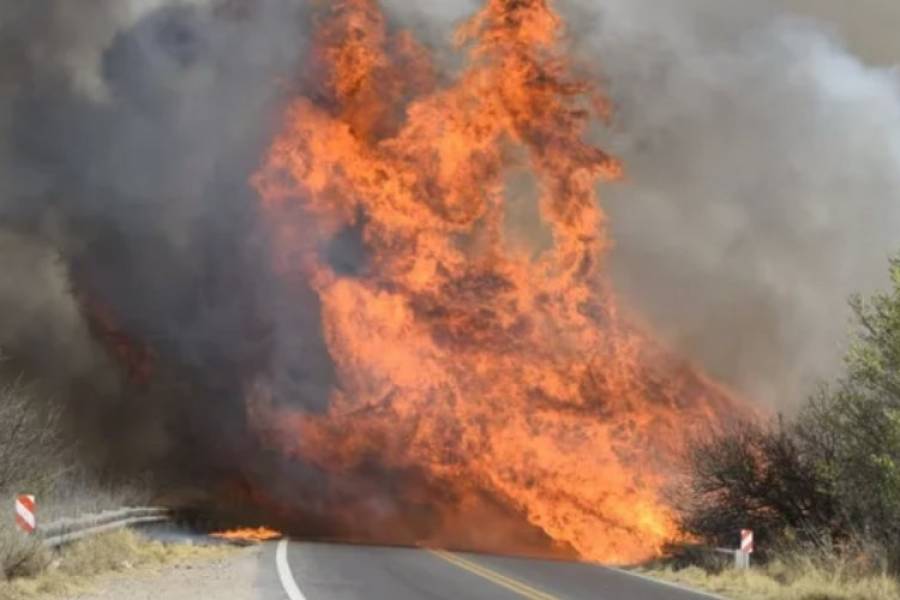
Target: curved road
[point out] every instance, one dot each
(319, 571)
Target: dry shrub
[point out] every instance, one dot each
(858, 572)
(30, 441)
(785, 582)
(121, 551)
(20, 555)
(78, 492)
(32, 460)
(30, 451)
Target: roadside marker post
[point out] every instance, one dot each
(742, 554)
(26, 511)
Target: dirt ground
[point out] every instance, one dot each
(231, 577)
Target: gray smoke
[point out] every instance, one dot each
(128, 133)
(764, 182)
(868, 26)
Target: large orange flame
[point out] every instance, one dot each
(460, 348)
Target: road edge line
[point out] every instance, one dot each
(288, 583)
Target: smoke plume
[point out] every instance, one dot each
(763, 183)
(762, 161)
(129, 132)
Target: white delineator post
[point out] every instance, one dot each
(742, 556)
(26, 510)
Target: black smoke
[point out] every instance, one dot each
(135, 284)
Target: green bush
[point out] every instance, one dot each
(828, 478)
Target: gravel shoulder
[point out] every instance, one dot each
(232, 576)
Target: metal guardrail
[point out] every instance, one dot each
(65, 531)
(741, 558)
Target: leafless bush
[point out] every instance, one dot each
(34, 459)
(80, 492)
(30, 442)
(30, 462)
(759, 476)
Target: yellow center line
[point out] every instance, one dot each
(513, 585)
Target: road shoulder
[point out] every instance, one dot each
(229, 576)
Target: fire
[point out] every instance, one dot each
(461, 349)
(259, 534)
(137, 359)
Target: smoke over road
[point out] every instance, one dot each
(762, 176)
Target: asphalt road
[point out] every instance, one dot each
(317, 571)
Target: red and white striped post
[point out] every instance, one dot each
(26, 513)
(747, 541)
(742, 556)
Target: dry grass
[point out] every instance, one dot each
(20, 555)
(82, 562)
(794, 579)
